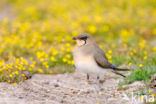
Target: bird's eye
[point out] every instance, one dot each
(84, 38)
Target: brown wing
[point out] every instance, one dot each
(101, 59)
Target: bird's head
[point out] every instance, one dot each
(84, 39)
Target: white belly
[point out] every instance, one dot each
(88, 65)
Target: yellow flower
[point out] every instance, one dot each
(145, 53)
(15, 83)
(64, 60)
(40, 70)
(130, 64)
(67, 45)
(68, 50)
(116, 99)
(145, 57)
(51, 72)
(23, 75)
(46, 55)
(149, 91)
(140, 65)
(142, 44)
(141, 97)
(16, 72)
(44, 63)
(16, 66)
(154, 49)
(32, 65)
(131, 54)
(154, 31)
(76, 24)
(154, 94)
(54, 52)
(109, 57)
(20, 68)
(92, 29)
(69, 62)
(110, 61)
(1, 63)
(72, 62)
(30, 69)
(9, 81)
(10, 54)
(34, 62)
(24, 68)
(110, 51)
(47, 66)
(68, 56)
(107, 54)
(98, 18)
(11, 75)
(17, 60)
(53, 58)
(125, 34)
(62, 49)
(39, 54)
(41, 59)
(74, 33)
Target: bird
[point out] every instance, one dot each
(90, 59)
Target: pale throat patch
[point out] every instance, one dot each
(80, 42)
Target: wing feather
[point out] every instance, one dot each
(101, 58)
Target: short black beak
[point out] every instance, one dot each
(74, 38)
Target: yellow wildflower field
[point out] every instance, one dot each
(36, 35)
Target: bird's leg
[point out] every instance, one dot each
(87, 76)
(89, 81)
(100, 81)
(98, 77)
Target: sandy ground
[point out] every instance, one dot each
(67, 89)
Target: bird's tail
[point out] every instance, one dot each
(119, 74)
(119, 69)
(115, 69)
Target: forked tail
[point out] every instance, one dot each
(115, 69)
(119, 69)
(119, 74)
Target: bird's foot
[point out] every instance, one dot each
(90, 82)
(101, 81)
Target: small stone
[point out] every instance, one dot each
(46, 82)
(27, 74)
(56, 85)
(152, 83)
(20, 97)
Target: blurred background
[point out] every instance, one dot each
(36, 35)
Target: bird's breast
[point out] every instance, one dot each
(81, 57)
(86, 63)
